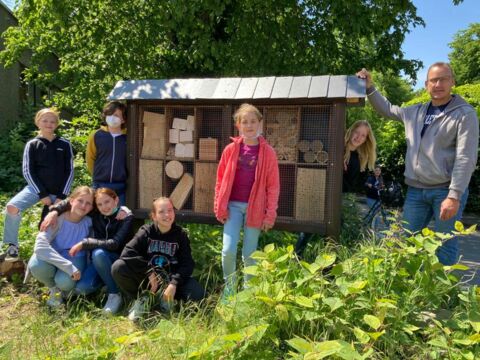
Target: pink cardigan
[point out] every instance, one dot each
(263, 200)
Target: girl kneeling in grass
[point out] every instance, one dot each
(159, 258)
(51, 263)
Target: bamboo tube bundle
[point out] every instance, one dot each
(309, 156)
(280, 131)
(303, 145)
(317, 146)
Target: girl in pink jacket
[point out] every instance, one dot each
(246, 192)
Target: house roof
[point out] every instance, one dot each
(286, 87)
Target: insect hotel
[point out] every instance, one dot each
(178, 128)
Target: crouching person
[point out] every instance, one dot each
(158, 259)
(51, 263)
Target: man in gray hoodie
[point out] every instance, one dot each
(442, 145)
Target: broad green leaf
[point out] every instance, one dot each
(258, 255)
(304, 301)
(356, 286)
(361, 335)
(439, 342)
(267, 300)
(431, 245)
(282, 258)
(475, 338)
(376, 335)
(333, 302)
(457, 267)
(250, 270)
(475, 326)
(466, 342)
(269, 248)
(337, 270)
(372, 321)
(301, 345)
(325, 260)
(410, 329)
(427, 232)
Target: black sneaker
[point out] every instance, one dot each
(12, 253)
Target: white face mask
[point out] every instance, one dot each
(113, 121)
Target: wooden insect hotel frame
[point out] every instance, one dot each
(178, 128)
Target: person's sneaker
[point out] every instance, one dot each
(139, 309)
(113, 304)
(11, 253)
(227, 294)
(55, 298)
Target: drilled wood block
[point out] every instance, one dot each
(182, 191)
(150, 181)
(186, 136)
(180, 124)
(191, 122)
(204, 187)
(207, 149)
(310, 196)
(173, 136)
(154, 135)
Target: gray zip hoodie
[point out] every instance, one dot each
(447, 154)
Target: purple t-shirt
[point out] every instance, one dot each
(245, 174)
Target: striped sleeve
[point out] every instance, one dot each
(69, 168)
(29, 173)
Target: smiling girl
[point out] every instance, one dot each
(246, 192)
(51, 262)
(360, 153)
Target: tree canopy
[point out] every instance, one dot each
(99, 42)
(465, 55)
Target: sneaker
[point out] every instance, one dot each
(11, 253)
(227, 294)
(55, 298)
(113, 304)
(139, 309)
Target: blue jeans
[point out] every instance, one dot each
(22, 201)
(98, 272)
(118, 187)
(423, 204)
(237, 214)
(51, 276)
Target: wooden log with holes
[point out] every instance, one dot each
(182, 191)
(303, 145)
(322, 157)
(310, 195)
(204, 186)
(309, 156)
(207, 149)
(174, 169)
(317, 145)
(150, 184)
(154, 135)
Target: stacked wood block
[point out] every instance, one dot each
(313, 151)
(181, 135)
(154, 136)
(310, 196)
(174, 169)
(207, 149)
(204, 187)
(182, 191)
(281, 133)
(150, 182)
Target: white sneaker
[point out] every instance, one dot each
(55, 298)
(113, 304)
(139, 309)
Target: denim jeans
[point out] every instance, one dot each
(118, 187)
(51, 276)
(421, 205)
(22, 201)
(98, 272)
(237, 214)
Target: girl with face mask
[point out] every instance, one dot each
(106, 151)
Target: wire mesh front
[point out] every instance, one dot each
(179, 148)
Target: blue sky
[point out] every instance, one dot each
(442, 21)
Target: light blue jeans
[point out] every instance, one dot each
(98, 272)
(22, 201)
(51, 276)
(237, 215)
(423, 204)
